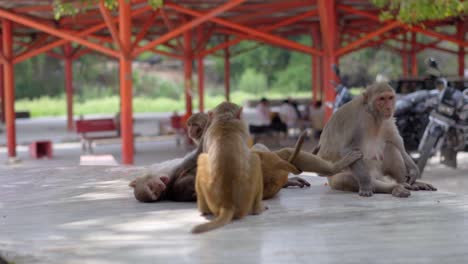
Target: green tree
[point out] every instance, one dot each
(66, 7)
(415, 11)
(253, 82)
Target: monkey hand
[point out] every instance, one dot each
(296, 181)
(413, 174)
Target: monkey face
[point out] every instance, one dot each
(149, 188)
(195, 131)
(384, 104)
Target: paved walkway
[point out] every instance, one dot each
(88, 215)
(54, 211)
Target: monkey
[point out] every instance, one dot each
(229, 182)
(366, 123)
(179, 184)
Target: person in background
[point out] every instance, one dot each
(316, 117)
(264, 113)
(288, 114)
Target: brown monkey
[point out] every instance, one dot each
(229, 182)
(366, 124)
(179, 184)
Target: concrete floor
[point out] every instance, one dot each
(54, 211)
(88, 215)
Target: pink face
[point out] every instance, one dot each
(384, 103)
(157, 185)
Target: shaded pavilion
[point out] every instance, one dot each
(185, 28)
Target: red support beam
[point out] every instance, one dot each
(414, 60)
(68, 54)
(188, 59)
(328, 26)
(83, 33)
(405, 56)
(368, 37)
(461, 50)
(53, 31)
(168, 54)
(412, 28)
(170, 28)
(227, 72)
(126, 110)
(2, 90)
(404, 63)
(271, 39)
(201, 42)
(266, 30)
(9, 79)
(187, 26)
(146, 27)
(110, 25)
(316, 84)
(201, 85)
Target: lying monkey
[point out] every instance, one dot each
(179, 183)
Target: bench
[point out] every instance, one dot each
(96, 127)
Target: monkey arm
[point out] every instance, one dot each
(358, 168)
(393, 137)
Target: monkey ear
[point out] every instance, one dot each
(132, 184)
(164, 178)
(365, 95)
(239, 113)
(210, 115)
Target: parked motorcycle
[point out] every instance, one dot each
(343, 95)
(412, 116)
(447, 130)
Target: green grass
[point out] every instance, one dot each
(56, 106)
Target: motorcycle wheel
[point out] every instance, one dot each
(426, 152)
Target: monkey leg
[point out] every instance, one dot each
(312, 163)
(202, 173)
(394, 166)
(362, 176)
(257, 183)
(343, 181)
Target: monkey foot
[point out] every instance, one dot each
(422, 186)
(366, 191)
(401, 191)
(296, 181)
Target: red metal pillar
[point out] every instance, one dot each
(461, 49)
(201, 83)
(9, 79)
(316, 63)
(2, 95)
(188, 59)
(404, 58)
(227, 71)
(414, 60)
(404, 63)
(69, 84)
(328, 26)
(126, 115)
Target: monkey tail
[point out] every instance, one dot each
(298, 146)
(224, 217)
(316, 150)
